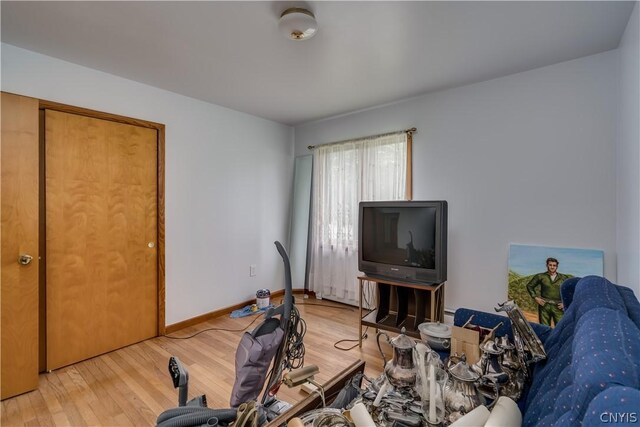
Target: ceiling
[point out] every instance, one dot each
(364, 54)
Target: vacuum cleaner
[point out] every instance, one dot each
(279, 339)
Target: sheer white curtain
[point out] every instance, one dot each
(343, 175)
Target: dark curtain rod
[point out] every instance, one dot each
(409, 131)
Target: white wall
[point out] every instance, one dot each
(528, 158)
(628, 158)
(228, 179)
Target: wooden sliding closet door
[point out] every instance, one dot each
(101, 236)
(19, 271)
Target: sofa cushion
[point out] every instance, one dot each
(562, 405)
(590, 292)
(619, 406)
(556, 376)
(490, 320)
(486, 320)
(605, 352)
(632, 303)
(567, 290)
(568, 287)
(542, 412)
(593, 292)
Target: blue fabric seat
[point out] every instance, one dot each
(617, 405)
(593, 355)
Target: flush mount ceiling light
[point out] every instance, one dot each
(298, 24)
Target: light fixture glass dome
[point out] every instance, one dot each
(298, 24)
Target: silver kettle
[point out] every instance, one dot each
(400, 370)
(460, 393)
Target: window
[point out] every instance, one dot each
(375, 168)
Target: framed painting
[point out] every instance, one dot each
(536, 273)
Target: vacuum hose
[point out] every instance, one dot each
(188, 416)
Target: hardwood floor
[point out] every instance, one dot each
(131, 386)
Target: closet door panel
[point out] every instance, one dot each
(101, 232)
(20, 222)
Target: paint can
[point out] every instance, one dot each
(263, 298)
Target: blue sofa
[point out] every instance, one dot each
(591, 376)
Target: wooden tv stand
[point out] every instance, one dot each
(402, 305)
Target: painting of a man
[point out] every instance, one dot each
(537, 292)
(544, 288)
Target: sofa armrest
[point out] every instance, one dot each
(491, 320)
(567, 289)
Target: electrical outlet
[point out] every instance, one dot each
(252, 270)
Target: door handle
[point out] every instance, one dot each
(25, 259)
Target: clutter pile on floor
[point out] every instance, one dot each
(249, 310)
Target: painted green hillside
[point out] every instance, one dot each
(518, 291)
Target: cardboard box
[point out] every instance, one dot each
(466, 341)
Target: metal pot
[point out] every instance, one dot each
(509, 358)
(436, 335)
(493, 377)
(489, 363)
(512, 366)
(460, 393)
(401, 370)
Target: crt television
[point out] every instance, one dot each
(403, 240)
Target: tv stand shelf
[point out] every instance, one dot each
(402, 305)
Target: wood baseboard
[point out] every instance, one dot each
(169, 329)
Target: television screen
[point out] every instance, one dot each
(400, 236)
(404, 240)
